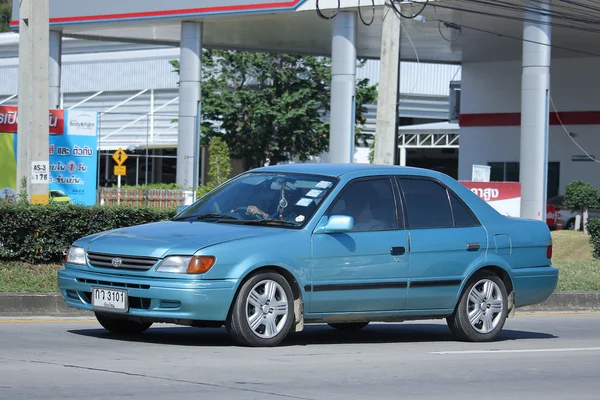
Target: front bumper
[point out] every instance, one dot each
(153, 299)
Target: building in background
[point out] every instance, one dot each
(134, 89)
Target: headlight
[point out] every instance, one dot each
(186, 264)
(76, 255)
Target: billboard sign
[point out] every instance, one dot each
(9, 118)
(72, 154)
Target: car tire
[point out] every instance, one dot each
(477, 318)
(122, 326)
(263, 311)
(570, 226)
(349, 326)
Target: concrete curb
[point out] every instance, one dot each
(52, 304)
(568, 301)
(36, 304)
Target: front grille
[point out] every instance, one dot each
(114, 284)
(126, 262)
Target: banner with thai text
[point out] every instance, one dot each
(73, 155)
(504, 197)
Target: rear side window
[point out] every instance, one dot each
(463, 217)
(427, 204)
(370, 203)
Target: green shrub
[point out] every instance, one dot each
(593, 227)
(41, 234)
(580, 195)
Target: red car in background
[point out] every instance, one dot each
(559, 217)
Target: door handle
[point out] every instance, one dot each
(398, 251)
(473, 246)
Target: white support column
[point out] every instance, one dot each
(386, 127)
(151, 115)
(54, 70)
(189, 97)
(402, 156)
(33, 157)
(535, 88)
(343, 88)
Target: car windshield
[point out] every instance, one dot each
(271, 199)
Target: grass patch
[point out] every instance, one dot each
(572, 255)
(26, 278)
(578, 276)
(571, 246)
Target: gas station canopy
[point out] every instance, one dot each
(488, 31)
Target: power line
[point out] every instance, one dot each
(519, 19)
(396, 9)
(518, 38)
(534, 10)
(372, 15)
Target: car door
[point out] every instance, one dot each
(365, 269)
(445, 240)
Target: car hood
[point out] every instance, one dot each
(160, 239)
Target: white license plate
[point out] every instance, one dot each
(109, 299)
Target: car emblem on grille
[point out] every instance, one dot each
(117, 262)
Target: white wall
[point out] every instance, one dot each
(496, 88)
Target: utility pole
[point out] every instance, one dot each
(388, 97)
(32, 137)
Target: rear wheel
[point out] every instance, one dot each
(263, 311)
(482, 310)
(349, 326)
(122, 326)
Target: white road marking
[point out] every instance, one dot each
(518, 351)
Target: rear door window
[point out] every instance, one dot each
(427, 204)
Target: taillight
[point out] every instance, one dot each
(549, 251)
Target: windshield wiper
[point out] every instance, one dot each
(215, 216)
(270, 221)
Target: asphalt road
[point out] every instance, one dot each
(537, 357)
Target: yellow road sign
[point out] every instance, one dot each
(120, 156)
(120, 170)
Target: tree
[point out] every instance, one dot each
(219, 161)
(5, 15)
(581, 196)
(219, 165)
(270, 106)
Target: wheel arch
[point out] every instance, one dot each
(292, 280)
(498, 270)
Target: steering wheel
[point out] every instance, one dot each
(242, 211)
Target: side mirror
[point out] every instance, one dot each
(336, 224)
(181, 208)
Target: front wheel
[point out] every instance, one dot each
(482, 310)
(263, 311)
(122, 326)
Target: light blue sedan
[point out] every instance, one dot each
(278, 247)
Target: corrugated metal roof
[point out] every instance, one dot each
(97, 65)
(417, 78)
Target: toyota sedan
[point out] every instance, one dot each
(279, 247)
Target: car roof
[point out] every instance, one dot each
(337, 170)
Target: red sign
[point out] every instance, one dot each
(9, 120)
(505, 197)
(495, 191)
